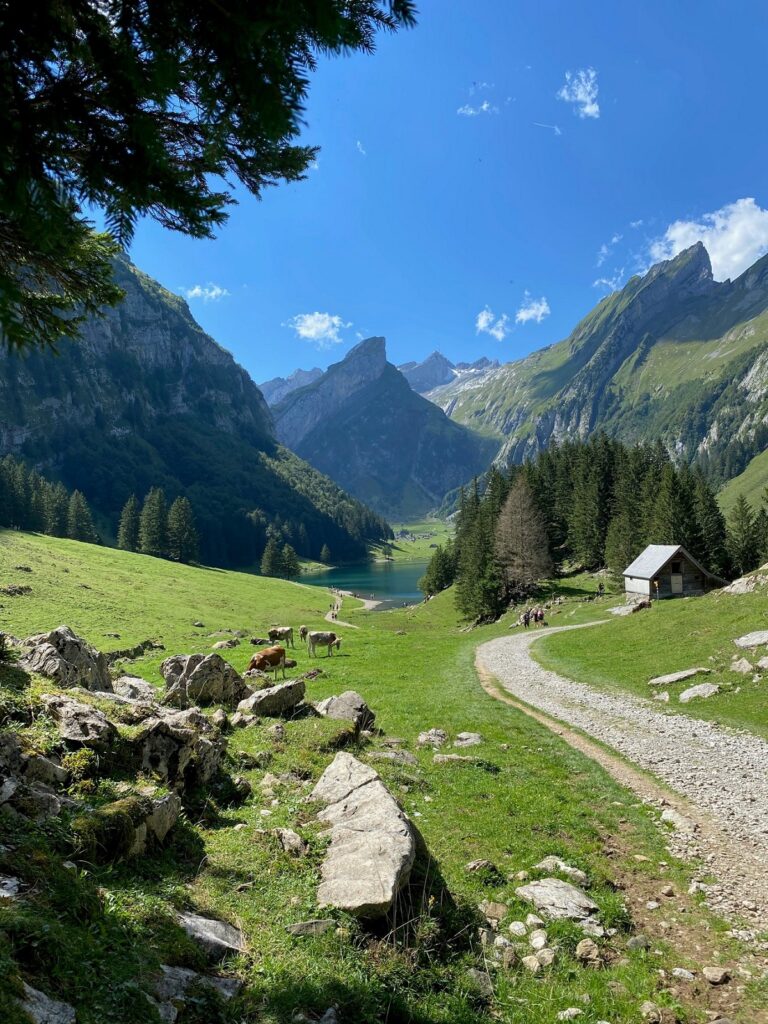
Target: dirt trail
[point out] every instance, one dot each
(713, 779)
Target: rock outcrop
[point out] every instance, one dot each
(67, 659)
(201, 679)
(181, 748)
(373, 844)
(555, 899)
(79, 723)
(217, 938)
(41, 1009)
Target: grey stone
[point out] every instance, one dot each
(225, 645)
(537, 939)
(663, 696)
(274, 701)
(702, 691)
(134, 688)
(555, 864)
(66, 658)
(80, 723)
(650, 1012)
(41, 1009)
(290, 841)
(453, 759)
(432, 738)
(682, 974)
(572, 1013)
(756, 639)
(373, 845)
(742, 666)
(531, 963)
(480, 983)
(587, 951)
(219, 718)
(201, 679)
(318, 926)
(555, 898)
(717, 975)
(638, 942)
(164, 815)
(545, 956)
(217, 938)
(395, 756)
(172, 983)
(10, 888)
(178, 745)
(678, 677)
(467, 739)
(518, 929)
(42, 769)
(350, 707)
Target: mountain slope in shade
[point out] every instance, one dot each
(146, 398)
(674, 354)
(363, 425)
(278, 388)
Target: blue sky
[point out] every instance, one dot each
(481, 172)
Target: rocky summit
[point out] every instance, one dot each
(401, 455)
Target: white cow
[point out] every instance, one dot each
(318, 638)
(283, 633)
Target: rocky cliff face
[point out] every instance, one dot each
(144, 360)
(146, 398)
(275, 390)
(430, 373)
(363, 425)
(674, 355)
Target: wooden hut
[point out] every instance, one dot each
(667, 570)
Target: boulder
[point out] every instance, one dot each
(395, 756)
(373, 844)
(10, 888)
(201, 679)
(164, 815)
(432, 738)
(453, 759)
(742, 666)
(134, 688)
(290, 841)
(217, 938)
(467, 739)
(180, 747)
(348, 707)
(555, 899)
(172, 983)
(80, 723)
(41, 1009)
(225, 645)
(274, 701)
(67, 659)
(702, 690)
(678, 677)
(756, 639)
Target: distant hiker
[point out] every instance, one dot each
(526, 618)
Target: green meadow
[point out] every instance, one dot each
(93, 936)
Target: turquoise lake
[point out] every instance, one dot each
(394, 583)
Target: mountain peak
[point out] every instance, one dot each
(690, 269)
(370, 348)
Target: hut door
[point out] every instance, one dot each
(677, 582)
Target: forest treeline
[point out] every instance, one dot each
(592, 504)
(30, 502)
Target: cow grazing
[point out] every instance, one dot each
(283, 634)
(303, 633)
(316, 638)
(269, 659)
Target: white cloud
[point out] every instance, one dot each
(605, 250)
(486, 322)
(532, 309)
(735, 236)
(581, 89)
(467, 110)
(361, 148)
(636, 223)
(479, 87)
(207, 292)
(612, 283)
(322, 329)
(552, 127)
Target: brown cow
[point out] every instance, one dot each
(268, 659)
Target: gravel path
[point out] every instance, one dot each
(721, 773)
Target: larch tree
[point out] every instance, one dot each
(521, 542)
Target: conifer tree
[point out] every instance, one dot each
(441, 570)
(325, 554)
(711, 523)
(153, 524)
(128, 530)
(742, 542)
(290, 563)
(271, 561)
(521, 542)
(56, 511)
(79, 520)
(183, 541)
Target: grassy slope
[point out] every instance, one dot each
(427, 532)
(536, 797)
(750, 483)
(625, 653)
